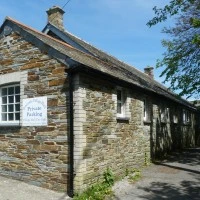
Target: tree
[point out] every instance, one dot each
(182, 57)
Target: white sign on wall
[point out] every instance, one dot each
(34, 112)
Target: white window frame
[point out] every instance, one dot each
(9, 122)
(165, 114)
(121, 101)
(186, 116)
(145, 110)
(175, 118)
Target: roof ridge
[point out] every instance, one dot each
(113, 57)
(39, 32)
(57, 40)
(157, 84)
(93, 46)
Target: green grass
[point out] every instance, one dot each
(95, 192)
(100, 190)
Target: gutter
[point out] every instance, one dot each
(71, 137)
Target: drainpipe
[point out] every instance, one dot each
(71, 136)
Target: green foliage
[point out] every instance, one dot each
(108, 177)
(100, 190)
(95, 192)
(174, 7)
(181, 60)
(195, 22)
(135, 175)
(127, 172)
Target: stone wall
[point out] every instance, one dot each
(123, 144)
(168, 135)
(37, 155)
(118, 144)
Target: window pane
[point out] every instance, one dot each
(17, 98)
(17, 107)
(119, 108)
(10, 103)
(4, 117)
(184, 118)
(17, 90)
(119, 95)
(11, 99)
(144, 107)
(4, 91)
(17, 116)
(10, 90)
(10, 116)
(4, 100)
(10, 108)
(4, 108)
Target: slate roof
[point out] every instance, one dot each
(92, 58)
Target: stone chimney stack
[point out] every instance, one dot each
(55, 17)
(149, 71)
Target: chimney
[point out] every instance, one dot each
(149, 71)
(55, 17)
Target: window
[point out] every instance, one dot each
(10, 104)
(164, 114)
(120, 103)
(186, 116)
(175, 118)
(146, 114)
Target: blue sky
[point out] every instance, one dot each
(117, 27)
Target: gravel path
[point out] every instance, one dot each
(177, 178)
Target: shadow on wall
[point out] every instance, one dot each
(163, 139)
(197, 136)
(169, 136)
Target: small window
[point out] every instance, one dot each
(186, 116)
(175, 118)
(120, 103)
(146, 110)
(164, 114)
(10, 104)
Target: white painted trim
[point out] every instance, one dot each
(79, 95)
(123, 103)
(10, 78)
(145, 111)
(126, 113)
(14, 78)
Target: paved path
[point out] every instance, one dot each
(17, 190)
(177, 178)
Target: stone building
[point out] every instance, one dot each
(69, 110)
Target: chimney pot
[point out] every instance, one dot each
(149, 72)
(55, 17)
